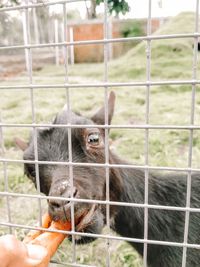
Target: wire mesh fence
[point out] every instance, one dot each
(105, 85)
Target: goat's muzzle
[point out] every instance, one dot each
(62, 210)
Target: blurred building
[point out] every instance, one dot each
(94, 30)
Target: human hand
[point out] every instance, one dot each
(37, 248)
(14, 253)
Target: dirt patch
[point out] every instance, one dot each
(14, 65)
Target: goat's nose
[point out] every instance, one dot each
(61, 192)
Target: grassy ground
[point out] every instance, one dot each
(171, 60)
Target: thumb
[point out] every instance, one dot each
(37, 255)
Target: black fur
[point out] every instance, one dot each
(126, 185)
(164, 225)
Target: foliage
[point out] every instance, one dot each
(133, 29)
(116, 6)
(10, 30)
(4, 3)
(7, 3)
(72, 14)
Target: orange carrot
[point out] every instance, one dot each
(46, 222)
(49, 240)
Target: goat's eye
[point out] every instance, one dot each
(93, 139)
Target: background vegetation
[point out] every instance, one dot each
(171, 60)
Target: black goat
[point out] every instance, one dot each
(126, 185)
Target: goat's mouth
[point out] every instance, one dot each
(85, 219)
(88, 221)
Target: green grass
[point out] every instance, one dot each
(171, 60)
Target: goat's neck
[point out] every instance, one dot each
(132, 181)
(129, 221)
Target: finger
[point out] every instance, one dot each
(36, 252)
(46, 222)
(31, 236)
(52, 240)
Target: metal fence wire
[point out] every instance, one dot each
(106, 85)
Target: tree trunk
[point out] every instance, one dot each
(92, 13)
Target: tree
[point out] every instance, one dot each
(10, 29)
(115, 7)
(6, 3)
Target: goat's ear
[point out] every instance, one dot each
(20, 143)
(99, 117)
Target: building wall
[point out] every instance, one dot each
(93, 30)
(88, 53)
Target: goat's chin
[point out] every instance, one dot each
(94, 227)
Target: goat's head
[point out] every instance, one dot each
(89, 182)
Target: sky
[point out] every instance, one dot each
(139, 8)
